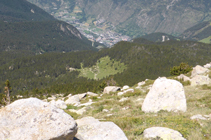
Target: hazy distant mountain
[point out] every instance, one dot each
(136, 17)
(200, 32)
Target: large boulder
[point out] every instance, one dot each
(163, 133)
(200, 80)
(90, 128)
(165, 94)
(198, 70)
(109, 89)
(33, 119)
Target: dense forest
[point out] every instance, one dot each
(49, 73)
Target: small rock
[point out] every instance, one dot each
(183, 77)
(198, 117)
(90, 128)
(109, 89)
(59, 103)
(105, 110)
(141, 83)
(123, 99)
(208, 65)
(74, 100)
(92, 94)
(163, 133)
(200, 80)
(198, 70)
(125, 87)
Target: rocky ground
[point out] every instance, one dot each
(166, 108)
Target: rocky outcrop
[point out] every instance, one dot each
(163, 133)
(109, 89)
(165, 94)
(33, 119)
(90, 128)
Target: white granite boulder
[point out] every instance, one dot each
(199, 70)
(109, 89)
(163, 133)
(90, 128)
(165, 94)
(200, 80)
(91, 94)
(130, 90)
(33, 119)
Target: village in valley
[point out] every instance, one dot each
(96, 30)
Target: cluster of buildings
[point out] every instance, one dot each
(96, 32)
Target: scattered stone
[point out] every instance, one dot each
(163, 133)
(33, 119)
(105, 110)
(108, 115)
(123, 99)
(183, 77)
(125, 87)
(82, 95)
(59, 103)
(165, 94)
(200, 80)
(120, 93)
(90, 128)
(125, 108)
(109, 89)
(141, 83)
(80, 111)
(73, 100)
(126, 91)
(198, 70)
(198, 117)
(91, 94)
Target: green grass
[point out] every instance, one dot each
(103, 68)
(206, 40)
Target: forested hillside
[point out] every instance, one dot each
(61, 72)
(200, 32)
(21, 10)
(42, 36)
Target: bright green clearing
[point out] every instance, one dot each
(103, 68)
(206, 40)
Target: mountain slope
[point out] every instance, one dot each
(200, 32)
(42, 36)
(21, 10)
(26, 27)
(134, 17)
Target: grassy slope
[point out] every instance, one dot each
(103, 68)
(133, 121)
